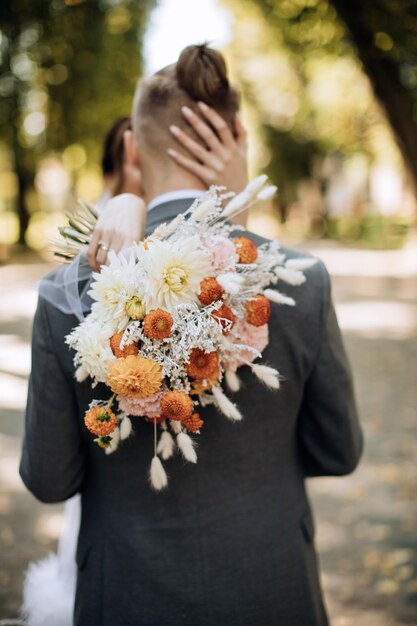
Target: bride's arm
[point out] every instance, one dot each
(120, 224)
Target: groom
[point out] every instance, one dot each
(231, 541)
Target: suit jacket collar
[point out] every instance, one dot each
(165, 212)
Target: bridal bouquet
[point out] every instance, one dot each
(176, 318)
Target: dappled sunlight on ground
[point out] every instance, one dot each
(378, 318)
(366, 528)
(14, 355)
(13, 392)
(18, 304)
(9, 465)
(344, 261)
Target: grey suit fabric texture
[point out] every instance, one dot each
(230, 542)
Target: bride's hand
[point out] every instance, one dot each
(222, 161)
(120, 224)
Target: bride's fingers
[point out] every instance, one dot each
(206, 174)
(118, 241)
(203, 130)
(195, 149)
(93, 249)
(103, 248)
(219, 124)
(122, 240)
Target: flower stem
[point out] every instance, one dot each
(110, 402)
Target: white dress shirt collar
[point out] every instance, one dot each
(179, 194)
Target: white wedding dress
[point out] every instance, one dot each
(49, 587)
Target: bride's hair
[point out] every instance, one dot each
(200, 74)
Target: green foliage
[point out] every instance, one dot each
(389, 27)
(311, 103)
(301, 78)
(67, 70)
(305, 25)
(74, 62)
(290, 161)
(315, 34)
(385, 35)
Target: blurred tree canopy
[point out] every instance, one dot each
(385, 36)
(310, 35)
(321, 135)
(67, 71)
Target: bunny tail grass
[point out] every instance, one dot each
(279, 298)
(267, 192)
(125, 428)
(255, 185)
(80, 374)
(300, 264)
(176, 426)
(185, 444)
(157, 474)
(267, 375)
(290, 276)
(204, 208)
(166, 445)
(237, 203)
(230, 281)
(232, 380)
(225, 405)
(115, 440)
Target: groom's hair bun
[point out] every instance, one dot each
(201, 72)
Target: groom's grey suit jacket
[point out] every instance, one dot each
(231, 541)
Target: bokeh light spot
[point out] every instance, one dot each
(34, 123)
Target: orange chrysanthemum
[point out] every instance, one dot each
(246, 249)
(176, 405)
(203, 364)
(100, 421)
(224, 315)
(258, 310)
(158, 324)
(115, 340)
(135, 377)
(210, 291)
(193, 423)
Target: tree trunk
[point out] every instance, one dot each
(383, 73)
(24, 182)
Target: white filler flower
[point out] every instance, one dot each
(174, 272)
(113, 287)
(91, 341)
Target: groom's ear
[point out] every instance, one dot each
(131, 147)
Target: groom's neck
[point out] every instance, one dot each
(163, 182)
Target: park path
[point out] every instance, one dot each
(366, 523)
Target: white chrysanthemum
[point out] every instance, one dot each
(173, 272)
(115, 284)
(90, 340)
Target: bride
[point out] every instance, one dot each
(210, 152)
